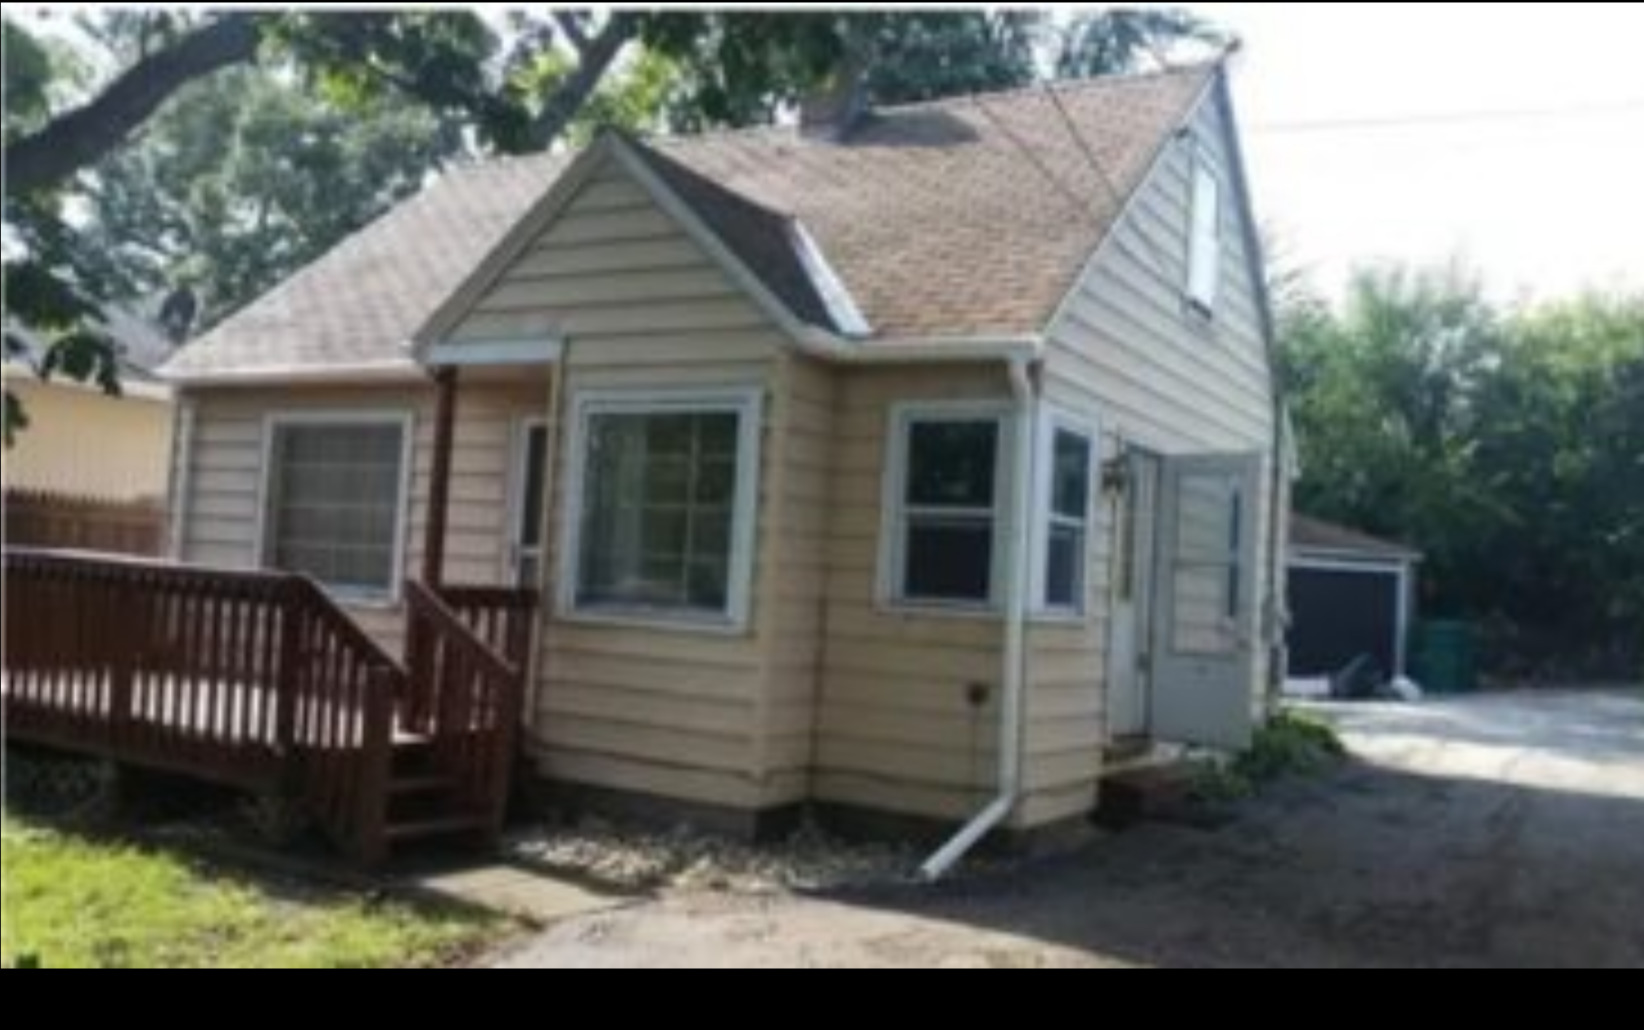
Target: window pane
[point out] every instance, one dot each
(1070, 476)
(1204, 268)
(949, 560)
(658, 501)
(334, 502)
(951, 464)
(1064, 579)
(716, 481)
(536, 471)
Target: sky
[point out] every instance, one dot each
(1541, 205)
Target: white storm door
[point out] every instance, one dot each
(1206, 615)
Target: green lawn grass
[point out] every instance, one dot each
(70, 902)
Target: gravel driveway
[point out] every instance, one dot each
(1492, 831)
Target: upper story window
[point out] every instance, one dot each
(665, 510)
(1204, 265)
(943, 517)
(335, 500)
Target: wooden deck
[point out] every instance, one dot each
(258, 681)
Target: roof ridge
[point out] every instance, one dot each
(663, 139)
(1086, 84)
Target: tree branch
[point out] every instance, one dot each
(596, 59)
(571, 24)
(81, 137)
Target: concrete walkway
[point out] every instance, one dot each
(534, 898)
(1489, 831)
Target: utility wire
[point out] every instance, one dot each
(1165, 264)
(1421, 121)
(1080, 202)
(1068, 192)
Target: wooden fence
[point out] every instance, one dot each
(37, 519)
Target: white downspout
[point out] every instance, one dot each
(1019, 559)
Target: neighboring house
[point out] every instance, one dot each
(887, 468)
(83, 443)
(1351, 596)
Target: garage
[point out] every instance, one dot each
(1351, 597)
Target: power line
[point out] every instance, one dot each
(1068, 192)
(1452, 118)
(1165, 265)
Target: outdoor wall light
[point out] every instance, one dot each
(1116, 475)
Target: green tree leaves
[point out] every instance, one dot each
(241, 181)
(1507, 445)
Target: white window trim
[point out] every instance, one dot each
(892, 593)
(747, 403)
(516, 497)
(1054, 421)
(402, 419)
(1204, 170)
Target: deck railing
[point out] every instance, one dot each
(251, 679)
(499, 616)
(465, 697)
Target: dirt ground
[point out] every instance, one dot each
(1502, 830)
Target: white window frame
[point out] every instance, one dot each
(894, 512)
(1206, 244)
(400, 418)
(747, 403)
(518, 476)
(1052, 422)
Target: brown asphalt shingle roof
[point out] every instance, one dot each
(961, 218)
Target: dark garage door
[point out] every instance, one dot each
(1338, 616)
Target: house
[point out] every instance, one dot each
(83, 443)
(892, 469)
(1351, 596)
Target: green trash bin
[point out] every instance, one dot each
(1445, 659)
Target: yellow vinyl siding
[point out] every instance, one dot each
(1127, 354)
(897, 730)
(793, 571)
(82, 442)
(664, 711)
(225, 475)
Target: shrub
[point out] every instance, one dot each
(1291, 744)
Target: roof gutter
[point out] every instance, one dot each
(1013, 675)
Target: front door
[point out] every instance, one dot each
(1206, 611)
(1130, 656)
(525, 552)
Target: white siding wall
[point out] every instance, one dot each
(1129, 354)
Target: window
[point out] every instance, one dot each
(335, 500)
(943, 535)
(530, 478)
(665, 522)
(1205, 257)
(1067, 513)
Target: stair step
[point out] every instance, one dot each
(443, 827)
(421, 785)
